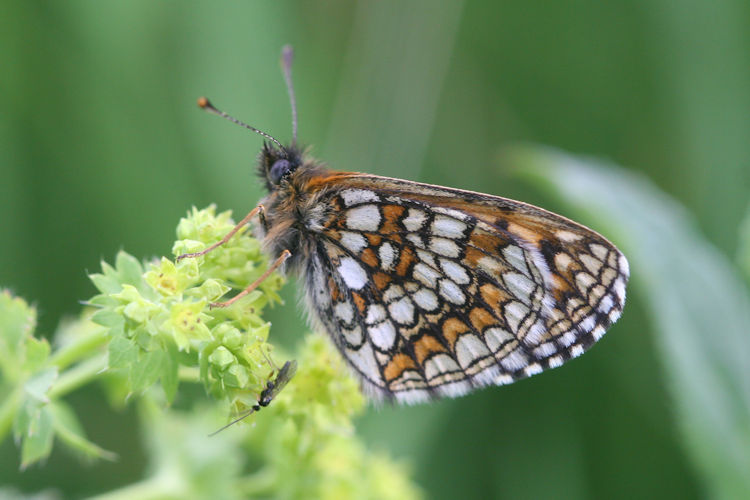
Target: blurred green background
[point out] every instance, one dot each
(103, 148)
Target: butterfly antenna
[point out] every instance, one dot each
(206, 105)
(287, 54)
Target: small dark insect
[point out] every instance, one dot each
(273, 388)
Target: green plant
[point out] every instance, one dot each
(148, 331)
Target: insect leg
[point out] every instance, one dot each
(273, 366)
(253, 212)
(284, 255)
(262, 217)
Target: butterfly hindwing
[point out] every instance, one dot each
(430, 291)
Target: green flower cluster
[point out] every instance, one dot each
(151, 326)
(160, 323)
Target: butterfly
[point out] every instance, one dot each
(430, 291)
(269, 393)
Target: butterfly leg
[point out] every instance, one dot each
(259, 210)
(284, 255)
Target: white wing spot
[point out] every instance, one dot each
(456, 214)
(545, 350)
(451, 292)
(576, 350)
(568, 338)
(469, 348)
(356, 196)
(533, 369)
(619, 288)
(514, 313)
(591, 263)
(354, 276)
(448, 227)
(387, 253)
(503, 379)
(605, 305)
(438, 365)
(624, 266)
(588, 323)
(567, 236)
(584, 280)
(375, 314)
(454, 271)
(599, 250)
(425, 274)
(426, 257)
(562, 261)
(344, 311)
(426, 299)
(496, 338)
(353, 336)
(598, 332)
(555, 361)
(364, 361)
(535, 333)
(444, 246)
(402, 311)
(363, 218)
(354, 242)
(383, 335)
(514, 361)
(415, 240)
(519, 285)
(393, 292)
(414, 220)
(516, 258)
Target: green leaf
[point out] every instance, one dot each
(38, 385)
(106, 283)
(698, 303)
(17, 321)
(37, 352)
(129, 269)
(37, 438)
(123, 352)
(8, 410)
(68, 429)
(108, 318)
(146, 370)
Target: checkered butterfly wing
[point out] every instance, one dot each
(430, 291)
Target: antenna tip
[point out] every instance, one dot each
(287, 53)
(204, 103)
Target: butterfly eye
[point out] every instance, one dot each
(278, 170)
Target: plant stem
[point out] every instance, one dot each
(78, 376)
(80, 348)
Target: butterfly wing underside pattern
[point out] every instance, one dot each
(431, 292)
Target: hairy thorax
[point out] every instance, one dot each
(295, 216)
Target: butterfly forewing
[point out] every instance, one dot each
(430, 291)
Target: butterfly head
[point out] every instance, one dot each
(277, 163)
